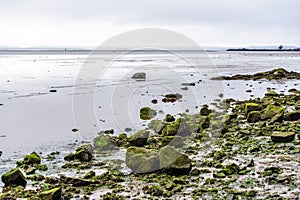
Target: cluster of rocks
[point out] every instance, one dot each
(275, 74)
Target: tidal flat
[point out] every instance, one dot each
(189, 136)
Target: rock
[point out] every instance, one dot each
(252, 107)
(32, 159)
(69, 157)
(283, 137)
(270, 111)
(103, 143)
(179, 127)
(292, 116)
(83, 153)
(169, 118)
(139, 75)
(274, 74)
(14, 178)
(157, 126)
(170, 98)
(147, 113)
(204, 111)
(204, 123)
(141, 160)
(253, 116)
(271, 93)
(277, 118)
(0, 153)
(173, 162)
(30, 170)
(53, 194)
(89, 175)
(139, 139)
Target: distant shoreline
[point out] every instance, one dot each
(280, 50)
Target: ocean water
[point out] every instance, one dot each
(96, 92)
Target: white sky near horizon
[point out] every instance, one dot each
(66, 23)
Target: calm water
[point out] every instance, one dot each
(32, 118)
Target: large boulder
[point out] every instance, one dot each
(292, 116)
(139, 138)
(283, 137)
(103, 143)
(253, 116)
(14, 178)
(173, 162)
(53, 194)
(141, 160)
(32, 159)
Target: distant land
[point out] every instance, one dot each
(267, 48)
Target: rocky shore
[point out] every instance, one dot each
(233, 150)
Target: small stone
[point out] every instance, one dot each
(147, 113)
(53, 194)
(139, 75)
(253, 116)
(283, 137)
(83, 153)
(292, 116)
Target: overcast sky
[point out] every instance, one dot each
(88, 23)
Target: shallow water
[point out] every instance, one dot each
(34, 119)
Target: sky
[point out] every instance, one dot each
(88, 23)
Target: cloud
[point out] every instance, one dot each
(241, 18)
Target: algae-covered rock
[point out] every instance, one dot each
(147, 113)
(83, 153)
(252, 107)
(169, 118)
(141, 160)
(292, 116)
(283, 137)
(170, 98)
(179, 127)
(32, 159)
(53, 194)
(173, 162)
(253, 116)
(103, 143)
(205, 111)
(156, 125)
(277, 118)
(204, 123)
(139, 76)
(271, 93)
(139, 138)
(270, 111)
(14, 178)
